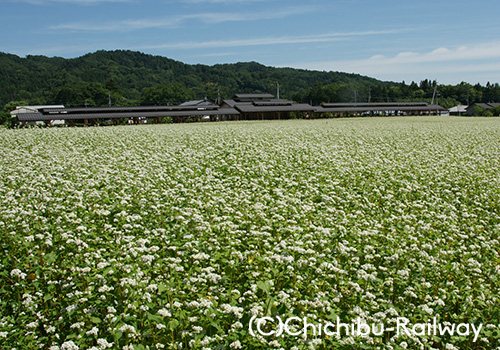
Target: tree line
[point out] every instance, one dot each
(123, 78)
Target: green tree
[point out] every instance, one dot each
(5, 116)
(495, 111)
(166, 94)
(92, 94)
(478, 111)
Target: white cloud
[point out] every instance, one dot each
(406, 54)
(450, 63)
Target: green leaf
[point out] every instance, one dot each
(118, 335)
(173, 324)
(161, 288)
(156, 318)
(50, 258)
(95, 320)
(264, 285)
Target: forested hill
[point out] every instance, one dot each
(136, 78)
(128, 73)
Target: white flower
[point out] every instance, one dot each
(103, 344)
(235, 345)
(69, 345)
(93, 331)
(164, 313)
(33, 324)
(18, 273)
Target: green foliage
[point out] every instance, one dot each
(495, 111)
(126, 74)
(163, 120)
(171, 94)
(5, 113)
(87, 94)
(478, 111)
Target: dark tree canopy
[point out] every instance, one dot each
(174, 93)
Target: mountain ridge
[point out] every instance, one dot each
(36, 76)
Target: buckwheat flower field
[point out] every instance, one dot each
(178, 236)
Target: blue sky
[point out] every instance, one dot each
(448, 41)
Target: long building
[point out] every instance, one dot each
(240, 107)
(379, 109)
(136, 114)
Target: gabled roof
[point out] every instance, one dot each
(230, 103)
(484, 105)
(267, 105)
(458, 109)
(249, 107)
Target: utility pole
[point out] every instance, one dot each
(369, 94)
(109, 98)
(434, 94)
(218, 97)
(278, 90)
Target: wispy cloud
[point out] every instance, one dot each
(177, 21)
(215, 44)
(75, 2)
(221, 1)
(304, 39)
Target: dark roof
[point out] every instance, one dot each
(377, 107)
(244, 107)
(374, 104)
(124, 112)
(203, 102)
(253, 96)
(33, 117)
(272, 103)
(268, 106)
(136, 109)
(231, 103)
(484, 105)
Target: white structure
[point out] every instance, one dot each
(35, 109)
(458, 110)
